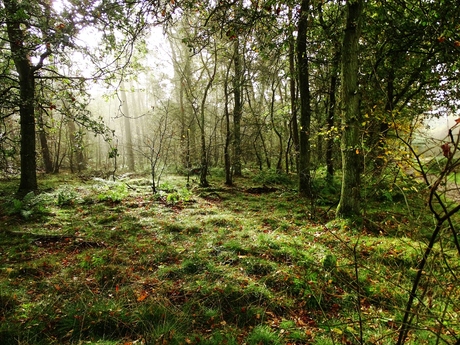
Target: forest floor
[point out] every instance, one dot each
(98, 262)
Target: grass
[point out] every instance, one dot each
(108, 263)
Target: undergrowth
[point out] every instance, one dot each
(108, 263)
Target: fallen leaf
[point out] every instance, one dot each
(142, 296)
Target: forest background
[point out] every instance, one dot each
(335, 95)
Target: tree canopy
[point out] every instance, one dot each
(283, 95)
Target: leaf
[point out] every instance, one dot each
(142, 296)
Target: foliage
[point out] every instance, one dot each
(270, 177)
(66, 196)
(31, 205)
(111, 191)
(183, 195)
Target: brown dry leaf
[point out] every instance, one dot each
(142, 296)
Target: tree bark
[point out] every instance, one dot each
(331, 116)
(228, 132)
(349, 204)
(28, 181)
(305, 108)
(237, 110)
(279, 168)
(46, 156)
(127, 127)
(204, 152)
(293, 94)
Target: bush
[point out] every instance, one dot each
(272, 177)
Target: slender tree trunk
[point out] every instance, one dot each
(127, 124)
(204, 152)
(72, 144)
(305, 109)
(331, 116)
(77, 160)
(259, 126)
(28, 181)
(349, 204)
(57, 148)
(293, 94)
(80, 152)
(279, 161)
(237, 110)
(228, 135)
(48, 164)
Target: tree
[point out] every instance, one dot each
(305, 108)
(293, 81)
(228, 131)
(16, 14)
(127, 127)
(37, 32)
(349, 204)
(237, 107)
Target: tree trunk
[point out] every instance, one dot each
(279, 167)
(72, 145)
(127, 124)
(331, 117)
(293, 94)
(349, 204)
(28, 181)
(47, 162)
(228, 135)
(204, 152)
(76, 158)
(237, 110)
(305, 109)
(57, 148)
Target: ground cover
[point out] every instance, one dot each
(101, 262)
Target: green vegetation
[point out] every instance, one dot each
(108, 263)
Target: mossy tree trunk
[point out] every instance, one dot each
(349, 204)
(294, 128)
(25, 70)
(238, 108)
(305, 108)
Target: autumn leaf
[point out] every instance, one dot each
(142, 296)
(446, 150)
